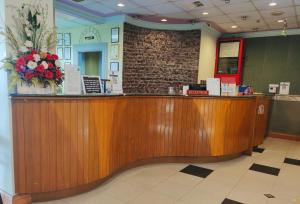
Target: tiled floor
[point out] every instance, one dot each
(273, 171)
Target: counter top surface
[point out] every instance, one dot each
(118, 95)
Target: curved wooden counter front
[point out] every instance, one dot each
(66, 143)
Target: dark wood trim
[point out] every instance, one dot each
(41, 197)
(284, 136)
(14, 199)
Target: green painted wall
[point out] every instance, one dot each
(92, 63)
(272, 60)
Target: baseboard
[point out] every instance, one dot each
(284, 136)
(16, 199)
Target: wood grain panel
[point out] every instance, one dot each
(66, 143)
(261, 120)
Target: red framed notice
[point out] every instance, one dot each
(229, 58)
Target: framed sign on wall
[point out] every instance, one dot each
(115, 35)
(114, 52)
(229, 58)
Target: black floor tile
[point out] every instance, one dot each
(228, 201)
(265, 169)
(197, 171)
(292, 161)
(258, 149)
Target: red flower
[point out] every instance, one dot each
(20, 62)
(54, 57)
(34, 52)
(58, 74)
(50, 66)
(48, 74)
(40, 68)
(28, 75)
(29, 57)
(49, 57)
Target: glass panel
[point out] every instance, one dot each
(228, 58)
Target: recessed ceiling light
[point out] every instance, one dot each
(164, 20)
(273, 3)
(280, 21)
(234, 26)
(205, 13)
(120, 5)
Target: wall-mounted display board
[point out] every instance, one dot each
(229, 58)
(91, 84)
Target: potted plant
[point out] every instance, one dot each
(32, 68)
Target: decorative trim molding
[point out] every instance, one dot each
(284, 136)
(286, 98)
(78, 12)
(262, 33)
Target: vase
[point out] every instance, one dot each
(39, 89)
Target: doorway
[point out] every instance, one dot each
(91, 59)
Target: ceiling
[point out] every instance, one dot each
(221, 15)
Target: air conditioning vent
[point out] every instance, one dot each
(198, 3)
(77, 1)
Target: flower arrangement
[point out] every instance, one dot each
(31, 42)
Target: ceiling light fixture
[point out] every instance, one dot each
(280, 21)
(205, 13)
(227, 1)
(234, 26)
(164, 20)
(273, 3)
(120, 5)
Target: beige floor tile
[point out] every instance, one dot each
(247, 197)
(93, 199)
(256, 182)
(185, 179)
(172, 189)
(214, 187)
(52, 202)
(124, 191)
(197, 197)
(152, 198)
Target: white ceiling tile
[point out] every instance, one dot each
(264, 4)
(289, 11)
(165, 8)
(216, 19)
(237, 8)
(147, 2)
(140, 11)
(188, 4)
(251, 16)
(227, 26)
(198, 13)
(113, 4)
(297, 2)
(99, 7)
(181, 15)
(232, 2)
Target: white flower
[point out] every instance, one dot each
(45, 64)
(28, 43)
(37, 57)
(23, 49)
(27, 22)
(39, 19)
(28, 32)
(31, 64)
(44, 49)
(57, 63)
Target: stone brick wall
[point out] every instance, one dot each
(156, 59)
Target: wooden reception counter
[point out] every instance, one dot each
(64, 145)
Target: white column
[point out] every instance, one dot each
(207, 57)
(6, 146)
